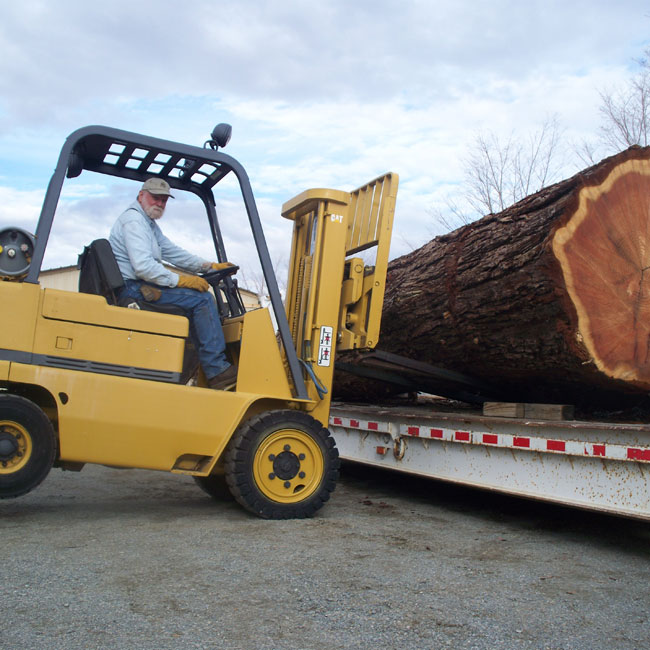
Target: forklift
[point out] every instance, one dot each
(85, 378)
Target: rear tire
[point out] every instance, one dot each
(282, 465)
(27, 446)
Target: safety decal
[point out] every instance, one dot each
(325, 346)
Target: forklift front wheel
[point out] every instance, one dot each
(27, 446)
(282, 465)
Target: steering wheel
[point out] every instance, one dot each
(213, 277)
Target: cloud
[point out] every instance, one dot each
(66, 58)
(19, 207)
(319, 95)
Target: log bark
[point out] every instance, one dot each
(547, 301)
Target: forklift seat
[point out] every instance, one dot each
(99, 274)
(98, 271)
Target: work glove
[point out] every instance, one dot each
(149, 293)
(216, 266)
(193, 282)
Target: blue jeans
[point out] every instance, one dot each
(205, 324)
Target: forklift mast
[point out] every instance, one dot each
(335, 296)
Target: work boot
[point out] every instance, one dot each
(225, 380)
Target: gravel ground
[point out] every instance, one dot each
(130, 559)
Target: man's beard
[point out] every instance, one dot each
(154, 211)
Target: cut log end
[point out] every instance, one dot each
(604, 253)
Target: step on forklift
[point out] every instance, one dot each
(85, 379)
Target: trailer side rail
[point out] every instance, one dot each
(595, 466)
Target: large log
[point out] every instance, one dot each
(548, 300)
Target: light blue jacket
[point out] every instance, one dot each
(140, 248)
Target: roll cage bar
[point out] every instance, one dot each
(188, 168)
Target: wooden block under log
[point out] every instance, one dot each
(504, 409)
(532, 411)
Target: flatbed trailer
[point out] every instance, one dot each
(595, 465)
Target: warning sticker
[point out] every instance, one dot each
(325, 346)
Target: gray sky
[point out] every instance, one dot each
(319, 95)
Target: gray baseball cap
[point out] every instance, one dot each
(157, 186)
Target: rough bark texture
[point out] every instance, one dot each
(547, 300)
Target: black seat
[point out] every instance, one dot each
(99, 274)
(98, 271)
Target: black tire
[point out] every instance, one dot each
(27, 446)
(282, 465)
(215, 486)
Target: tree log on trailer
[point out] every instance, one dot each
(547, 301)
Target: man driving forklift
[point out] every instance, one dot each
(140, 248)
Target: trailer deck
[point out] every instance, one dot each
(596, 465)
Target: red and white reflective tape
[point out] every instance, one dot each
(363, 425)
(503, 440)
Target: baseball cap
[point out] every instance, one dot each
(157, 186)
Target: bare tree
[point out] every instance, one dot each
(501, 172)
(626, 111)
(449, 216)
(536, 160)
(588, 152)
(253, 279)
(488, 173)
(625, 117)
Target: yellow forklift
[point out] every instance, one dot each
(86, 379)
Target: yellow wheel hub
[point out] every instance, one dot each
(15, 446)
(288, 466)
